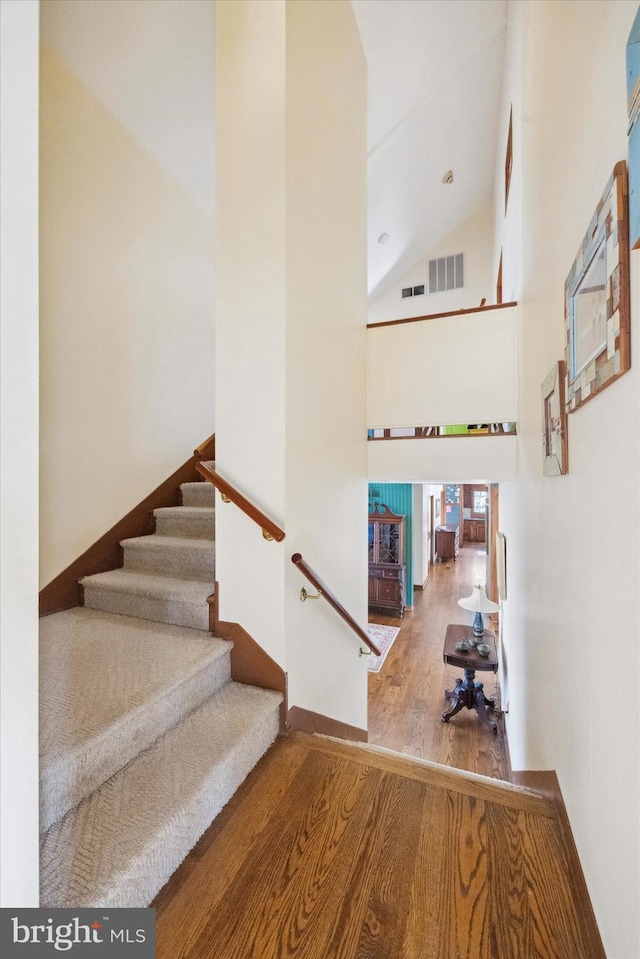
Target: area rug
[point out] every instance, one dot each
(383, 637)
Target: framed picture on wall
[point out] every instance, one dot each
(597, 313)
(555, 446)
(501, 565)
(633, 130)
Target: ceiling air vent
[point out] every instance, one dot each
(447, 273)
(407, 291)
(418, 290)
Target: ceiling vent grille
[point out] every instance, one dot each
(412, 291)
(447, 273)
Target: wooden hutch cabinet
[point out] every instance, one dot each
(387, 568)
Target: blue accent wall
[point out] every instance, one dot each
(399, 498)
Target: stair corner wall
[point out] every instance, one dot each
(64, 591)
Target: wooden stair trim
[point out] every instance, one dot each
(439, 316)
(306, 722)
(250, 663)
(546, 783)
(512, 796)
(65, 591)
(206, 450)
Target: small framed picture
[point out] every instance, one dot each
(501, 565)
(597, 312)
(555, 446)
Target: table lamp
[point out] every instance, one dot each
(478, 603)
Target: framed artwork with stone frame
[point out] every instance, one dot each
(597, 313)
(555, 446)
(633, 131)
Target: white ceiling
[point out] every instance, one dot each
(435, 75)
(435, 71)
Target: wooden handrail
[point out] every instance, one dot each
(438, 316)
(326, 593)
(229, 494)
(207, 450)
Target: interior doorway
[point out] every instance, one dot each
(406, 698)
(474, 509)
(474, 498)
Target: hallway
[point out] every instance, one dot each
(329, 849)
(406, 698)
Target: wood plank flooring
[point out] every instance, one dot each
(328, 852)
(406, 698)
(331, 850)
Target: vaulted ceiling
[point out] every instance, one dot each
(435, 72)
(435, 75)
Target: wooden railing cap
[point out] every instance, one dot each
(439, 316)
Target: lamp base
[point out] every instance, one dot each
(478, 626)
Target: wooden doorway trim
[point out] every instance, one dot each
(432, 530)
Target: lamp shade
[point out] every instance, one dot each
(479, 602)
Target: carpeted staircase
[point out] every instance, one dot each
(144, 736)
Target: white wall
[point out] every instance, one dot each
(571, 621)
(19, 878)
(457, 369)
(291, 315)
(326, 453)
(127, 324)
(421, 532)
(150, 64)
(448, 459)
(474, 239)
(250, 311)
(507, 239)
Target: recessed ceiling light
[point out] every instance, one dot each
(448, 177)
(382, 239)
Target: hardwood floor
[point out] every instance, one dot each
(406, 698)
(333, 851)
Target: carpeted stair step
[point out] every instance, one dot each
(198, 494)
(121, 844)
(197, 522)
(171, 556)
(109, 686)
(162, 599)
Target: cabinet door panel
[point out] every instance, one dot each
(389, 590)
